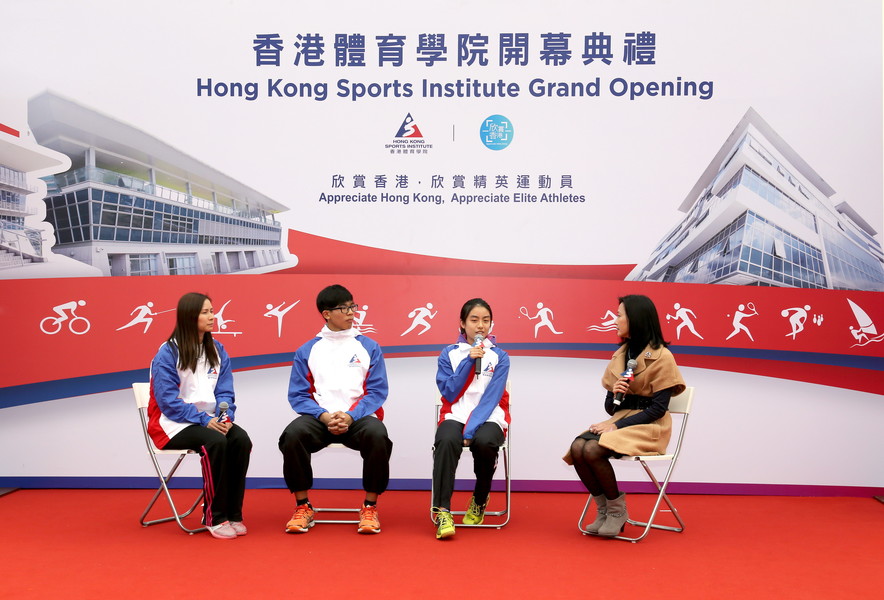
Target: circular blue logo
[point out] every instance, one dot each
(496, 132)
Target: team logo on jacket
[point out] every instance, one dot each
(355, 362)
(213, 373)
(489, 370)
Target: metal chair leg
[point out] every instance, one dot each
(164, 487)
(661, 496)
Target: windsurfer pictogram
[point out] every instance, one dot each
(865, 332)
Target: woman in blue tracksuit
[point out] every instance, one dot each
(189, 379)
(471, 377)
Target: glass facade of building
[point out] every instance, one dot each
(12, 201)
(850, 266)
(794, 236)
(93, 214)
(753, 246)
(143, 264)
(748, 178)
(129, 204)
(16, 238)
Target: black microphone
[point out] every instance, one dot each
(477, 343)
(618, 397)
(222, 411)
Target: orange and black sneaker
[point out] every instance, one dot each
(368, 520)
(302, 520)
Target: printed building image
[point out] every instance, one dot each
(132, 205)
(760, 215)
(22, 161)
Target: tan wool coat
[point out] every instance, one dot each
(656, 370)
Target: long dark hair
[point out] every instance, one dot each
(644, 323)
(469, 305)
(186, 336)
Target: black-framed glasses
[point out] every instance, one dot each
(345, 309)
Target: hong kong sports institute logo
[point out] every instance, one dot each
(409, 128)
(409, 139)
(496, 132)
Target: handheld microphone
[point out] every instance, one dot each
(477, 343)
(618, 397)
(222, 412)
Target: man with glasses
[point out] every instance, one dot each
(338, 386)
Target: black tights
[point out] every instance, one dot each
(593, 466)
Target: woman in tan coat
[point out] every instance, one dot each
(638, 404)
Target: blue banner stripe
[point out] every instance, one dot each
(423, 484)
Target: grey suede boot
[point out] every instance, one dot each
(602, 505)
(616, 516)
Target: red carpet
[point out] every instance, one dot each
(88, 544)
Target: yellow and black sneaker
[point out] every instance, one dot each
(475, 513)
(444, 523)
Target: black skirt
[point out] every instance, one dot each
(588, 435)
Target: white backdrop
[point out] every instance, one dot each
(813, 70)
(744, 429)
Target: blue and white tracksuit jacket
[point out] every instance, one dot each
(181, 398)
(469, 399)
(339, 371)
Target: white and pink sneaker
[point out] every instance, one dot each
(224, 531)
(238, 527)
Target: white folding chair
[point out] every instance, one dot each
(505, 452)
(142, 397)
(337, 510)
(678, 405)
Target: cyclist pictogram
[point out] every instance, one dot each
(77, 325)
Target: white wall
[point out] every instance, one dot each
(745, 429)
